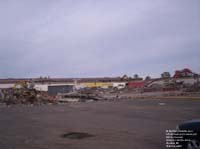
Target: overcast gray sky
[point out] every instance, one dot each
(90, 38)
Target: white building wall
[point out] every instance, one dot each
(38, 86)
(41, 87)
(119, 85)
(44, 87)
(6, 85)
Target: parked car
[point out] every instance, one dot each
(192, 127)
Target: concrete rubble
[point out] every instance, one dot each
(24, 96)
(87, 95)
(184, 83)
(31, 96)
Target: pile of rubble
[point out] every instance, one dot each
(24, 96)
(87, 94)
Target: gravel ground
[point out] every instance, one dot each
(127, 124)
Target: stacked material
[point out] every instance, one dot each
(24, 96)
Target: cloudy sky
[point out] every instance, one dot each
(90, 38)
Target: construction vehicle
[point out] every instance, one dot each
(24, 84)
(186, 78)
(183, 73)
(21, 84)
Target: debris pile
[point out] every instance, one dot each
(24, 96)
(87, 94)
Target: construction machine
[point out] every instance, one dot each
(21, 84)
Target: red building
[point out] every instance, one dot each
(138, 84)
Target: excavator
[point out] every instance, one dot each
(186, 77)
(21, 84)
(24, 84)
(184, 73)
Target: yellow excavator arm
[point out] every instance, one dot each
(20, 84)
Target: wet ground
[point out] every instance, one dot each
(124, 124)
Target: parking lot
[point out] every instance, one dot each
(124, 124)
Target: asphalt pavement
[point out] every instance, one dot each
(126, 124)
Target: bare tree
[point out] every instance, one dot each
(165, 75)
(147, 78)
(136, 76)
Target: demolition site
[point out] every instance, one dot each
(103, 113)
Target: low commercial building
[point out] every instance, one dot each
(56, 89)
(136, 84)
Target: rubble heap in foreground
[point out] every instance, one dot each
(25, 96)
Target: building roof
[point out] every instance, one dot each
(60, 80)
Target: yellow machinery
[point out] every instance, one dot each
(20, 84)
(97, 84)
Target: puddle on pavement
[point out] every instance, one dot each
(76, 135)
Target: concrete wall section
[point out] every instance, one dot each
(6, 85)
